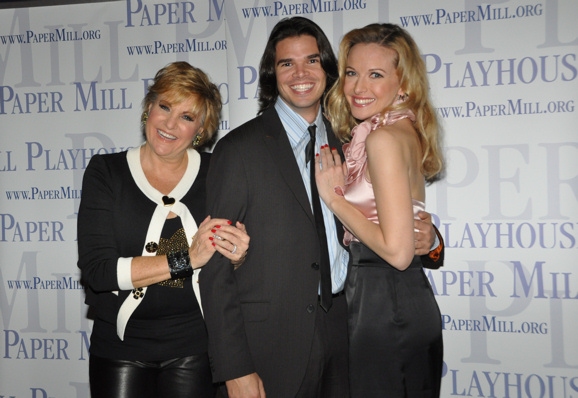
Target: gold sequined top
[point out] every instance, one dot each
(175, 243)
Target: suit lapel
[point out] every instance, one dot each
(331, 138)
(277, 143)
(334, 143)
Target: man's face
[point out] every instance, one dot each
(300, 78)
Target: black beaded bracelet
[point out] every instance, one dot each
(179, 264)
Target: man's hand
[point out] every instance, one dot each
(249, 386)
(424, 233)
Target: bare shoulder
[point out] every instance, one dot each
(400, 136)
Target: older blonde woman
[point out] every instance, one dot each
(143, 235)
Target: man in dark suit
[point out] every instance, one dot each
(267, 330)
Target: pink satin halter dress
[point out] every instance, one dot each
(394, 323)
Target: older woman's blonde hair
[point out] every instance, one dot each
(412, 75)
(180, 81)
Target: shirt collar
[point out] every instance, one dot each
(295, 125)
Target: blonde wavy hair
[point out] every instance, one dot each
(179, 81)
(412, 75)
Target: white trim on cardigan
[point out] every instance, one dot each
(158, 220)
(123, 273)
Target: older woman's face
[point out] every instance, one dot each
(171, 128)
(371, 82)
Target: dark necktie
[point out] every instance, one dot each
(324, 267)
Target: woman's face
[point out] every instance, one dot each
(171, 128)
(371, 82)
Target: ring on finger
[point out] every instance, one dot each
(234, 249)
(217, 237)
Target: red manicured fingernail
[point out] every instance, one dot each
(213, 230)
(217, 226)
(333, 149)
(213, 244)
(229, 222)
(210, 238)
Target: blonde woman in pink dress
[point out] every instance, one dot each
(380, 108)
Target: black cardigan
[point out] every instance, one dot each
(113, 220)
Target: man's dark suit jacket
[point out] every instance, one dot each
(260, 318)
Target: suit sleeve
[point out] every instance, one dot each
(226, 198)
(435, 258)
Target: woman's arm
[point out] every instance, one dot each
(389, 162)
(213, 235)
(97, 250)
(103, 267)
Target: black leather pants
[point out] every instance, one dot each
(175, 378)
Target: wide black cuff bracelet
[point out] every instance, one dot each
(179, 264)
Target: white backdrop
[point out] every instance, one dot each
(504, 76)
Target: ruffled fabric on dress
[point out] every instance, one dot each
(354, 151)
(357, 189)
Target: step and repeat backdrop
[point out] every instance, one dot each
(504, 79)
